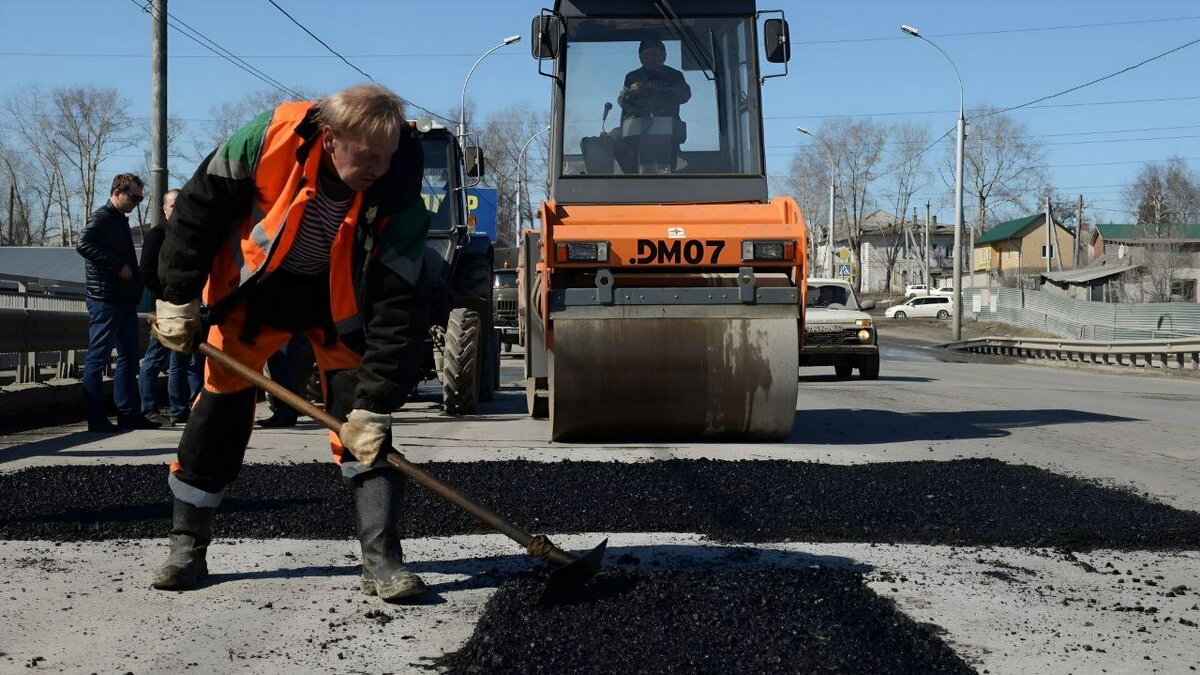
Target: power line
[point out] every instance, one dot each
(201, 39)
(1004, 32)
(322, 42)
(948, 112)
(899, 146)
(90, 55)
(1101, 79)
(347, 61)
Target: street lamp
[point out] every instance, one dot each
(462, 108)
(520, 159)
(833, 164)
(958, 187)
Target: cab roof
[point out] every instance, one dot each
(574, 9)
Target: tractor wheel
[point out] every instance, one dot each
(473, 278)
(460, 362)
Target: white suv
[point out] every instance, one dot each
(915, 289)
(922, 306)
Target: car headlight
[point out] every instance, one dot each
(864, 335)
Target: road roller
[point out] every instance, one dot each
(661, 295)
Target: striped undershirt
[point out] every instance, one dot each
(309, 254)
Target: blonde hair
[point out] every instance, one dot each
(365, 109)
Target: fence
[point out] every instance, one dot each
(1083, 320)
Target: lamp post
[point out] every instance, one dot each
(520, 160)
(462, 106)
(958, 187)
(833, 165)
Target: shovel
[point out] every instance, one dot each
(570, 571)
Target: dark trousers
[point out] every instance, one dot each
(157, 359)
(111, 324)
(213, 444)
(195, 377)
(291, 366)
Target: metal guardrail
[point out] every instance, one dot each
(36, 339)
(1170, 354)
(17, 300)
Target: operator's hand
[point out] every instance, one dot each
(126, 274)
(177, 327)
(363, 434)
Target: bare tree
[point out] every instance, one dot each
(230, 116)
(908, 175)
(179, 165)
(808, 181)
(503, 137)
(1165, 197)
(88, 124)
(44, 173)
(858, 146)
(1165, 193)
(1002, 165)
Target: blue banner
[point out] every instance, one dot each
(482, 211)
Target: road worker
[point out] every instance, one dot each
(309, 219)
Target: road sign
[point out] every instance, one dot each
(481, 211)
(843, 271)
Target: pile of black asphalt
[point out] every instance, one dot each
(961, 502)
(767, 620)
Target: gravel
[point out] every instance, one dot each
(963, 502)
(760, 621)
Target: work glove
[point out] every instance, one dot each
(363, 434)
(177, 327)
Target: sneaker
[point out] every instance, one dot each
(160, 419)
(178, 419)
(131, 423)
(104, 427)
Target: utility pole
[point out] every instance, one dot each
(158, 103)
(1049, 227)
(829, 234)
(1079, 246)
(928, 276)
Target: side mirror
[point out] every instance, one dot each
(547, 34)
(777, 41)
(473, 159)
(866, 305)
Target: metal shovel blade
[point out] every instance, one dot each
(568, 578)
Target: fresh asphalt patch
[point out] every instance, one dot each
(962, 502)
(754, 621)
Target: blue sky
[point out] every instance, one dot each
(849, 59)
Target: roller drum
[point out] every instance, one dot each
(644, 374)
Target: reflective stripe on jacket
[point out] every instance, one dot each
(285, 181)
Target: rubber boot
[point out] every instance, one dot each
(377, 496)
(191, 531)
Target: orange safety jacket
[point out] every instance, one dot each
(239, 214)
(283, 188)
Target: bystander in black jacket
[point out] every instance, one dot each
(106, 246)
(151, 245)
